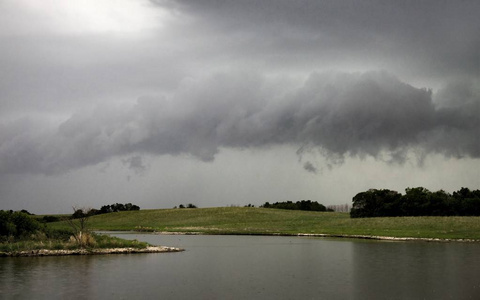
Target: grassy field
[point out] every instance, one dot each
(246, 220)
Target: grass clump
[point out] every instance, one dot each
(105, 241)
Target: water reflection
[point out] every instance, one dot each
(43, 277)
(242, 267)
(416, 270)
(249, 267)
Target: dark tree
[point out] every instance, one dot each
(79, 213)
(417, 201)
(17, 224)
(79, 227)
(116, 208)
(308, 205)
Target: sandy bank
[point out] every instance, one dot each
(387, 238)
(44, 252)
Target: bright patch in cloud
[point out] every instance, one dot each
(80, 17)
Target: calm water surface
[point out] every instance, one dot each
(253, 267)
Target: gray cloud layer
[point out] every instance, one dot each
(50, 71)
(50, 74)
(343, 114)
(427, 38)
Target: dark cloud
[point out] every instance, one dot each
(89, 76)
(457, 127)
(342, 114)
(426, 38)
(310, 167)
(135, 163)
(51, 72)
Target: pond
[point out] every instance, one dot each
(253, 267)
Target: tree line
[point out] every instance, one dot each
(299, 205)
(417, 201)
(80, 213)
(189, 205)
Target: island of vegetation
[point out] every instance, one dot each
(21, 234)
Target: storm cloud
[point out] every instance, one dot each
(180, 95)
(341, 114)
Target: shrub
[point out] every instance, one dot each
(308, 205)
(50, 219)
(17, 224)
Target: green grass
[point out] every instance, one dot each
(105, 241)
(40, 242)
(246, 220)
(27, 245)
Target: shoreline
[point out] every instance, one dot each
(388, 238)
(326, 235)
(46, 252)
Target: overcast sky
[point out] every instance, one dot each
(221, 103)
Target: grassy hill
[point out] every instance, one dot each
(250, 220)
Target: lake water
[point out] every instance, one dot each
(253, 267)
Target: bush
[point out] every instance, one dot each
(50, 219)
(17, 224)
(299, 205)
